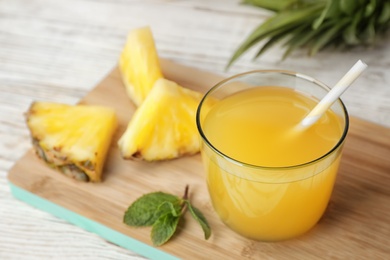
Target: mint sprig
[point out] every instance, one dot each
(163, 211)
(147, 209)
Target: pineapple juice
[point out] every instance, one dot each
(265, 181)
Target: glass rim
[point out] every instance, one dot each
(282, 72)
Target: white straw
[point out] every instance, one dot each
(333, 94)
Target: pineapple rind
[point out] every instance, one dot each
(72, 136)
(139, 64)
(164, 126)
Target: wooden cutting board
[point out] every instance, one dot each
(355, 225)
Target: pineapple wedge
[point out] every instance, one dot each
(72, 139)
(164, 126)
(139, 64)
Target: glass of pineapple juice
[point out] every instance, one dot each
(267, 181)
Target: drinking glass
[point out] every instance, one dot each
(263, 202)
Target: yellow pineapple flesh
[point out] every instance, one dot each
(72, 139)
(139, 64)
(164, 126)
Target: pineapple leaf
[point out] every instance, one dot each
(276, 37)
(370, 8)
(348, 6)
(327, 37)
(329, 10)
(301, 38)
(384, 16)
(350, 33)
(270, 4)
(327, 22)
(284, 20)
(368, 34)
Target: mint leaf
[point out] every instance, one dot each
(168, 207)
(143, 211)
(163, 211)
(164, 228)
(198, 216)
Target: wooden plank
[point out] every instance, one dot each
(356, 222)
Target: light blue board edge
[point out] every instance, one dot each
(90, 225)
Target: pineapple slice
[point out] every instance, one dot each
(72, 139)
(164, 126)
(139, 64)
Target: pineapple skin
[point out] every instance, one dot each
(139, 64)
(164, 126)
(72, 139)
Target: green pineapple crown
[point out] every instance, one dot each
(316, 24)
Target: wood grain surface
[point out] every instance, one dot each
(355, 223)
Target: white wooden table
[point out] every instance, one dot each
(59, 50)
